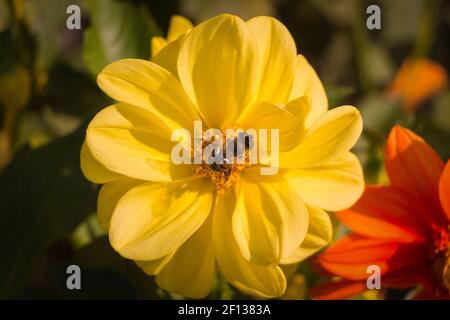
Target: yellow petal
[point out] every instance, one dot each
(147, 85)
(265, 115)
(109, 196)
(277, 58)
(168, 56)
(153, 267)
(270, 220)
(191, 270)
(134, 142)
(307, 83)
(264, 282)
(333, 185)
(331, 135)
(152, 220)
(178, 26)
(93, 170)
(320, 232)
(217, 65)
(300, 107)
(158, 43)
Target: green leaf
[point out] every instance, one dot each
(73, 92)
(44, 196)
(118, 30)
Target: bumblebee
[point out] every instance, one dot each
(240, 144)
(224, 167)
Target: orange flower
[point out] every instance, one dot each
(417, 80)
(404, 228)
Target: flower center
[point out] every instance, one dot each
(441, 265)
(223, 160)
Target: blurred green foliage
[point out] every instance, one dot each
(48, 93)
(44, 197)
(117, 31)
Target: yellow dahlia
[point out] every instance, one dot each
(184, 222)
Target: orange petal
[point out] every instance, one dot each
(352, 255)
(386, 213)
(416, 81)
(414, 166)
(337, 290)
(444, 190)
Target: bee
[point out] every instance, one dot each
(240, 144)
(224, 167)
(223, 164)
(247, 139)
(243, 142)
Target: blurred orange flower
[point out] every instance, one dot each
(417, 80)
(403, 228)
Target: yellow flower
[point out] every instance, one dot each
(183, 223)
